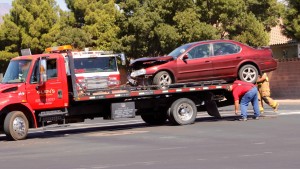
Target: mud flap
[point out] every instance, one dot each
(212, 109)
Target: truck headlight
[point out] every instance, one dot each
(138, 73)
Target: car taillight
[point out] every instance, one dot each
(114, 80)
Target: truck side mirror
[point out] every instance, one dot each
(123, 58)
(43, 70)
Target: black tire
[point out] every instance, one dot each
(182, 112)
(16, 125)
(163, 79)
(157, 118)
(248, 73)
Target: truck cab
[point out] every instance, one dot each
(36, 85)
(22, 92)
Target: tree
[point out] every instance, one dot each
(155, 27)
(267, 12)
(242, 20)
(291, 20)
(222, 14)
(30, 24)
(70, 34)
(98, 19)
(5, 58)
(251, 31)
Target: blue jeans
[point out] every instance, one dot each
(250, 96)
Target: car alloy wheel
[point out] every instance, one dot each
(248, 73)
(163, 79)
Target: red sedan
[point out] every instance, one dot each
(202, 61)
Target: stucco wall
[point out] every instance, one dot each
(285, 80)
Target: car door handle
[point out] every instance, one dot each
(207, 61)
(239, 57)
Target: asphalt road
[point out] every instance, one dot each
(271, 142)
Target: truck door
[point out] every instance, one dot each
(51, 93)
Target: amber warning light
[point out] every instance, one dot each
(58, 49)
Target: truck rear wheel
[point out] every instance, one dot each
(16, 125)
(158, 118)
(183, 111)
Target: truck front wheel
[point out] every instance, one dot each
(183, 111)
(16, 125)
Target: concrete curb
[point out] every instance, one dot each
(288, 101)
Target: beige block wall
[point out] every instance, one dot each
(285, 80)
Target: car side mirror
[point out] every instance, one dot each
(185, 57)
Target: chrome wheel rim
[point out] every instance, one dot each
(185, 112)
(19, 126)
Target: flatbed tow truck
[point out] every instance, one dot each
(49, 93)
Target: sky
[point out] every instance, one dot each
(61, 3)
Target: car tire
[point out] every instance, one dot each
(248, 73)
(163, 79)
(16, 125)
(182, 112)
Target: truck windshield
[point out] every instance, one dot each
(17, 71)
(95, 64)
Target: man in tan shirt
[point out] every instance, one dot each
(265, 93)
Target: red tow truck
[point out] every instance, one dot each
(41, 90)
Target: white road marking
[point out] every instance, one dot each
(115, 133)
(168, 148)
(231, 113)
(223, 113)
(288, 113)
(260, 143)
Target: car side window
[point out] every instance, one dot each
(200, 51)
(35, 76)
(225, 48)
(51, 70)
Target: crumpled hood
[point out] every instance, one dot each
(150, 61)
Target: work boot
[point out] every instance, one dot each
(276, 107)
(261, 110)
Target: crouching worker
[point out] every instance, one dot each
(243, 94)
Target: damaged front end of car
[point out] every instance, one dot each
(142, 70)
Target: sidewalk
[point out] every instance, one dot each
(288, 100)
